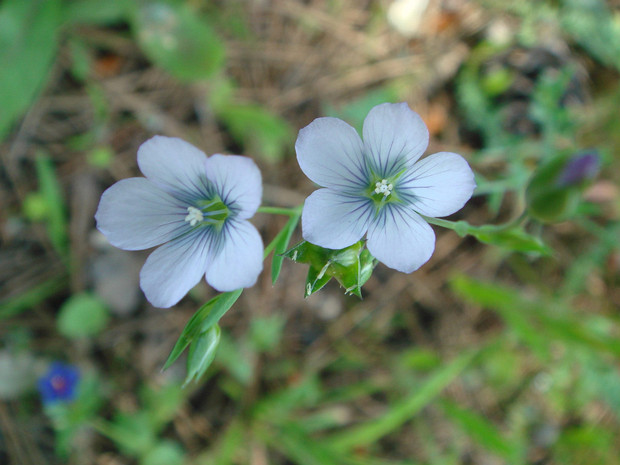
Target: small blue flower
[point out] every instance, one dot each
(59, 384)
(197, 207)
(378, 187)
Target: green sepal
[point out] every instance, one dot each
(351, 266)
(201, 353)
(205, 317)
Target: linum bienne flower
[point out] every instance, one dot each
(378, 186)
(197, 207)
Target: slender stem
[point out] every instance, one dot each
(280, 210)
(440, 222)
(463, 228)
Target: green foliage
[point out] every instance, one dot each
(257, 128)
(406, 408)
(28, 44)
(82, 315)
(48, 204)
(594, 27)
(178, 39)
(482, 431)
(351, 266)
(136, 433)
(266, 332)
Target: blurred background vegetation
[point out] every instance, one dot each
(506, 353)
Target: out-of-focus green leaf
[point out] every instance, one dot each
(17, 304)
(96, 11)
(351, 266)
(28, 44)
(481, 430)
(82, 315)
(595, 27)
(205, 317)
(405, 409)
(178, 39)
(201, 353)
(266, 332)
(355, 111)
(258, 128)
(162, 403)
(56, 216)
(131, 432)
(164, 453)
(537, 322)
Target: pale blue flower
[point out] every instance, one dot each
(377, 187)
(197, 207)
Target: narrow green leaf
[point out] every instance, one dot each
(201, 353)
(17, 304)
(371, 431)
(481, 430)
(205, 317)
(505, 302)
(56, 211)
(282, 240)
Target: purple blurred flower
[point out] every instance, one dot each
(581, 167)
(378, 187)
(197, 207)
(59, 384)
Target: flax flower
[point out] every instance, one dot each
(378, 187)
(197, 207)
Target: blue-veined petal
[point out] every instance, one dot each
(134, 214)
(394, 137)
(175, 267)
(334, 219)
(330, 153)
(237, 181)
(438, 185)
(239, 259)
(174, 165)
(400, 238)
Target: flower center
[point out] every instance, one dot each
(383, 188)
(59, 384)
(207, 212)
(194, 216)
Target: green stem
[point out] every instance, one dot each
(463, 228)
(280, 210)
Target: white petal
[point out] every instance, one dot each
(240, 258)
(330, 153)
(335, 220)
(401, 239)
(174, 165)
(174, 268)
(438, 185)
(237, 181)
(134, 214)
(394, 137)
